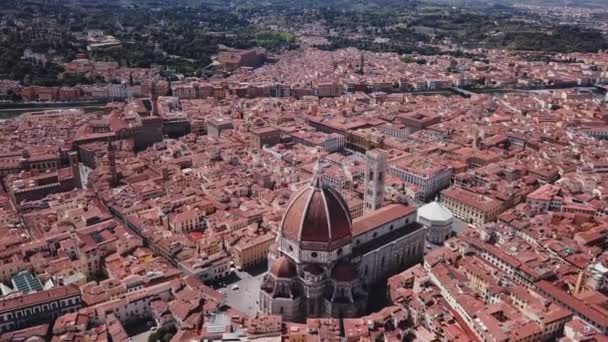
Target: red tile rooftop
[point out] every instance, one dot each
(383, 215)
(472, 199)
(572, 303)
(35, 298)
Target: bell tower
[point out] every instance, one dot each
(374, 180)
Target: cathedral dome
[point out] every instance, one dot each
(318, 216)
(283, 268)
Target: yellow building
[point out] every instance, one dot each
(211, 245)
(144, 255)
(471, 207)
(250, 251)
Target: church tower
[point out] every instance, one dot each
(374, 180)
(75, 166)
(361, 63)
(154, 99)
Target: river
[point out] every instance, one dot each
(7, 111)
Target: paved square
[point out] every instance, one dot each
(245, 298)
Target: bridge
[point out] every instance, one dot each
(462, 92)
(602, 87)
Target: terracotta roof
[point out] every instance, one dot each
(283, 268)
(472, 199)
(344, 271)
(572, 303)
(379, 217)
(317, 214)
(35, 298)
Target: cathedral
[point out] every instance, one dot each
(324, 263)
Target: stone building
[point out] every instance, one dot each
(374, 180)
(323, 262)
(437, 219)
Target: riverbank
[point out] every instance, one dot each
(11, 110)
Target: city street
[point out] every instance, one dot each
(84, 174)
(143, 337)
(458, 226)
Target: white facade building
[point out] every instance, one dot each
(437, 219)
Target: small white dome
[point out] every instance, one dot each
(436, 212)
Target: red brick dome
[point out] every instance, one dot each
(344, 271)
(317, 216)
(283, 268)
